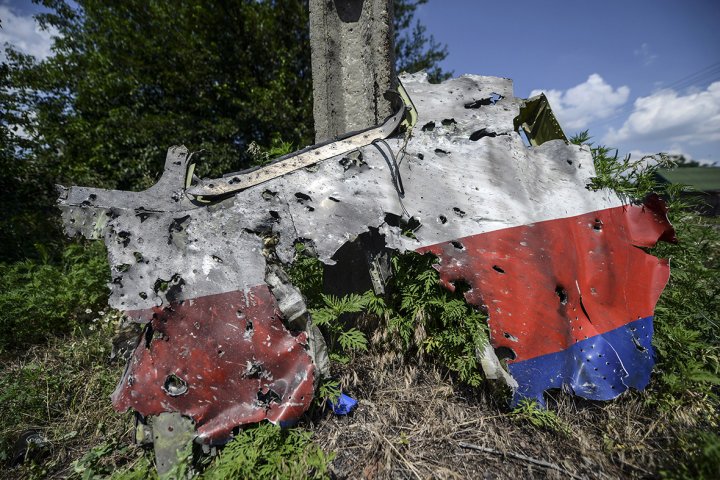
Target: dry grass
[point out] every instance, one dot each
(61, 391)
(412, 420)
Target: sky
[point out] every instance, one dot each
(643, 76)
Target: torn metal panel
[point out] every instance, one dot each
(200, 269)
(223, 360)
(538, 122)
(570, 301)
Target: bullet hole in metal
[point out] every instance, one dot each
(442, 219)
(582, 307)
(353, 159)
(301, 197)
(249, 326)
(149, 332)
(309, 208)
(483, 132)
(505, 353)
(143, 295)
(253, 370)
(461, 286)
(142, 214)
(449, 122)
(266, 399)
(234, 180)
(275, 215)
(408, 226)
(498, 269)
(510, 337)
(177, 226)
(118, 281)
(268, 194)
(598, 225)
(138, 257)
(334, 199)
(216, 258)
(491, 100)
(172, 288)
(161, 285)
(562, 294)
(569, 162)
(637, 344)
(175, 386)
(421, 156)
(428, 127)
(458, 212)
(457, 245)
(89, 200)
(441, 152)
(124, 238)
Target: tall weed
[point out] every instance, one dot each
(49, 296)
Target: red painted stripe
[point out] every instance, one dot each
(231, 349)
(551, 284)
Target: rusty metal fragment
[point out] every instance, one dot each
(228, 341)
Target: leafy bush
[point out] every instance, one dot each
(417, 310)
(46, 297)
(687, 315)
(267, 451)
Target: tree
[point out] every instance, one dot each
(414, 50)
(129, 79)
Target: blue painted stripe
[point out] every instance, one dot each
(598, 368)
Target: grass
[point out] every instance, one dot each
(61, 390)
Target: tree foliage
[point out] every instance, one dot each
(414, 49)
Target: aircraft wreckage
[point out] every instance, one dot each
(228, 340)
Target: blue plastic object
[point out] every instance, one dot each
(344, 404)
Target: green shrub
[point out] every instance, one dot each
(267, 451)
(46, 297)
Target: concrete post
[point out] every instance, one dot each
(353, 64)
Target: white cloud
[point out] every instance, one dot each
(24, 34)
(645, 54)
(582, 104)
(668, 116)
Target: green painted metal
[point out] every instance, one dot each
(538, 121)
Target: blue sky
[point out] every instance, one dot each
(638, 74)
(641, 75)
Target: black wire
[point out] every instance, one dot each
(394, 172)
(392, 165)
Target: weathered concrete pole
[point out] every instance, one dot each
(353, 64)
